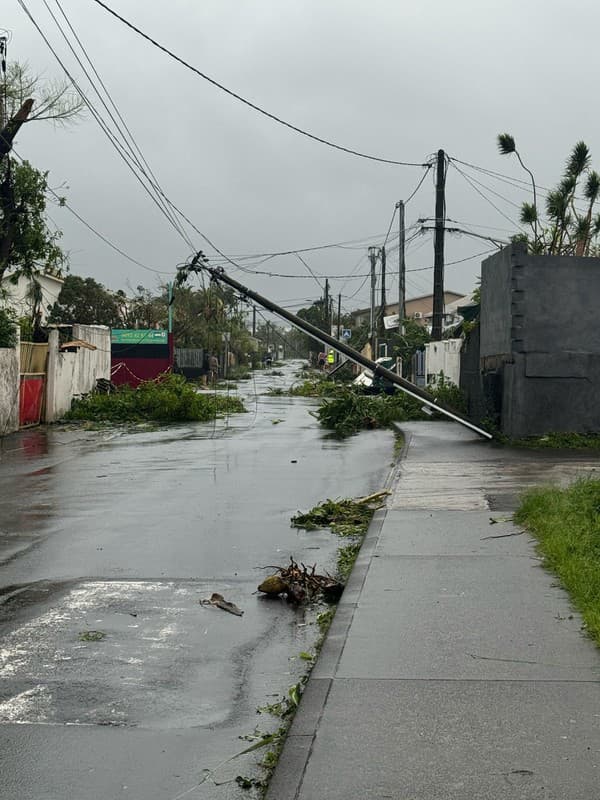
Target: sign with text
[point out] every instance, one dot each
(122, 336)
(391, 322)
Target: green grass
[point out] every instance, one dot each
(169, 400)
(561, 441)
(566, 523)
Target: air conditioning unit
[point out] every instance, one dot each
(417, 315)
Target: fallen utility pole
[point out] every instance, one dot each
(218, 274)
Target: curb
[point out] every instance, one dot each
(286, 780)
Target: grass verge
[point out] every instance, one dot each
(566, 523)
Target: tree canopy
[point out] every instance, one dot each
(87, 302)
(26, 242)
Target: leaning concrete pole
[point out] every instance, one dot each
(218, 274)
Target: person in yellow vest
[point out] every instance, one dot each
(330, 359)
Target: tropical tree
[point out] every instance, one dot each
(85, 301)
(26, 242)
(405, 343)
(571, 226)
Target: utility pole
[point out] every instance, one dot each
(414, 391)
(326, 302)
(339, 324)
(373, 253)
(401, 267)
(253, 321)
(381, 326)
(438, 247)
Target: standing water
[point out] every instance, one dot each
(116, 680)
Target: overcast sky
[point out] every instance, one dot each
(388, 78)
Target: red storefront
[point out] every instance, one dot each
(140, 355)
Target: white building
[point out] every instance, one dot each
(20, 295)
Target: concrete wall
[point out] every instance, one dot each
(540, 337)
(9, 389)
(74, 373)
(496, 304)
(443, 357)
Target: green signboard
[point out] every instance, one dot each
(139, 337)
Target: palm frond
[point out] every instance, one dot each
(592, 187)
(529, 214)
(556, 204)
(506, 144)
(579, 160)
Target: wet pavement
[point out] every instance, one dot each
(455, 667)
(116, 681)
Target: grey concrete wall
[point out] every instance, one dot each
(540, 338)
(9, 390)
(496, 302)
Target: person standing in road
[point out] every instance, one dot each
(213, 368)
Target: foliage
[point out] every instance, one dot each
(347, 556)
(351, 410)
(324, 620)
(405, 345)
(171, 399)
(318, 315)
(143, 309)
(54, 100)
(87, 302)
(8, 334)
(449, 394)
(568, 229)
(347, 518)
(26, 243)
(566, 523)
(344, 517)
(318, 386)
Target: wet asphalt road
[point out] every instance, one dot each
(123, 533)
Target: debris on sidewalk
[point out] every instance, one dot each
(219, 601)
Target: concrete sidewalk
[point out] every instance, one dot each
(454, 669)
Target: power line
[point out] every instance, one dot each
(481, 194)
(133, 147)
(249, 103)
(127, 158)
(419, 184)
(63, 204)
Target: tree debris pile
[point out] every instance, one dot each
(345, 517)
(168, 399)
(300, 583)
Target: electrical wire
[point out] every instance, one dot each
(127, 137)
(481, 194)
(248, 103)
(125, 155)
(63, 204)
(418, 186)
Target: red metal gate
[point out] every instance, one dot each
(31, 396)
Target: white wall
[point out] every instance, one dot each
(443, 357)
(9, 389)
(18, 294)
(72, 374)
